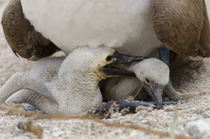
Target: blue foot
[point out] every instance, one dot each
(172, 102)
(30, 108)
(164, 56)
(117, 106)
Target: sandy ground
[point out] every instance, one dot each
(192, 79)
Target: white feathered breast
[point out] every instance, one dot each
(115, 23)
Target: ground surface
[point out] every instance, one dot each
(193, 116)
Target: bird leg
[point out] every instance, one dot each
(169, 89)
(164, 56)
(22, 81)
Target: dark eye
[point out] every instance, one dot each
(109, 58)
(147, 81)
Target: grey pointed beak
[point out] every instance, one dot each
(121, 59)
(126, 59)
(111, 70)
(155, 91)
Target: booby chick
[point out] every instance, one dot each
(152, 74)
(73, 87)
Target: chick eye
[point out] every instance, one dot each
(109, 58)
(147, 81)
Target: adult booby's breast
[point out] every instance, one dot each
(117, 23)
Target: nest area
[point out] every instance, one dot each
(192, 78)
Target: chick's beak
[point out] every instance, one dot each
(155, 91)
(111, 70)
(119, 58)
(126, 59)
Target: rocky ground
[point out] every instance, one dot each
(191, 119)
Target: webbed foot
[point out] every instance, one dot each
(172, 102)
(30, 108)
(22, 106)
(106, 109)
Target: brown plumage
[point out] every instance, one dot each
(22, 37)
(182, 26)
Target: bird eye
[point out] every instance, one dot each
(109, 58)
(147, 81)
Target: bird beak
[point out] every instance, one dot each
(126, 59)
(121, 59)
(155, 91)
(111, 70)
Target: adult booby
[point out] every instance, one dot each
(70, 85)
(135, 27)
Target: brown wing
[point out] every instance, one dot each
(183, 26)
(22, 37)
